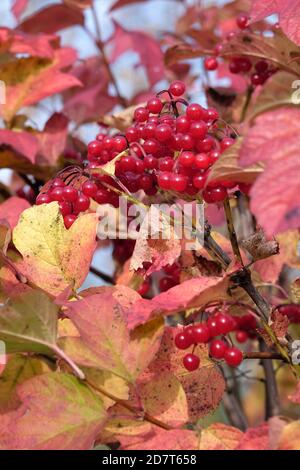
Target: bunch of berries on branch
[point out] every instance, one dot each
(170, 146)
(216, 332)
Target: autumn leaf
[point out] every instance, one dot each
(54, 258)
(120, 120)
(219, 436)
(295, 396)
(227, 167)
(18, 7)
(23, 143)
(288, 11)
(274, 139)
(101, 322)
(189, 294)
(290, 437)
(160, 439)
(18, 369)
(52, 140)
(12, 208)
(51, 19)
(79, 415)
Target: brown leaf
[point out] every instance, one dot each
(259, 247)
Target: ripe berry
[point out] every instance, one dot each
(151, 146)
(166, 283)
(56, 194)
(150, 162)
(145, 182)
(144, 287)
(89, 188)
(214, 195)
(182, 341)
(127, 163)
(177, 88)
(191, 362)
(210, 63)
(178, 182)
(70, 194)
(186, 142)
(120, 143)
(141, 114)
(164, 180)
(163, 132)
(131, 134)
(154, 105)
(57, 183)
(182, 123)
(69, 220)
(202, 161)
(226, 143)
(95, 148)
(241, 336)
(292, 311)
(166, 164)
(217, 348)
(65, 208)
(195, 112)
(213, 327)
(82, 203)
(201, 333)
(198, 129)
(186, 159)
(212, 114)
(233, 357)
(199, 181)
(242, 21)
(257, 79)
(224, 323)
(43, 199)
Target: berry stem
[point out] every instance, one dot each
(129, 407)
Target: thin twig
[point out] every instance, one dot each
(272, 401)
(231, 231)
(103, 276)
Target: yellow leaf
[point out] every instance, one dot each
(54, 258)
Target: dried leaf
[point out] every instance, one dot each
(259, 247)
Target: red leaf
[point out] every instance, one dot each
(148, 49)
(52, 19)
(38, 45)
(24, 143)
(160, 439)
(123, 3)
(275, 196)
(12, 208)
(295, 396)
(18, 7)
(288, 11)
(192, 293)
(52, 140)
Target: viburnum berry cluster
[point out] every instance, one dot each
(163, 150)
(217, 333)
(258, 70)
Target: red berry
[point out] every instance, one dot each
(226, 143)
(70, 194)
(202, 161)
(212, 114)
(166, 283)
(127, 163)
(186, 159)
(244, 64)
(164, 180)
(144, 287)
(65, 208)
(182, 340)
(199, 181)
(234, 66)
(145, 182)
(43, 199)
(154, 105)
(261, 66)
(56, 194)
(150, 162)
(163, 132)
(224, 323)
(89, 188)
(132, 134)
(141, 114)
(241, 336)
(178, 182)
(166, 164)
(213, 327)
(217, 348)
(69, 220)
(242, 21)
(292, 311)
(198, 129)
(206, 144)
(233, 357)
(177, 88)
(182, 123)
(257, 79)
(120, 143)
(191, 362)
(82, 203)
(214, 195)
(102, 196)
(210, 63)
(186, 142)
(151, 146)
(201, 333)
(95, 148)
(195, 112)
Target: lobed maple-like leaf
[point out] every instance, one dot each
(51, 19)
(12, 208)
(52, 140)
(54, 258)
(274, 140)
(288, 11)
(101, 321)
(57, 413)
(31, 79)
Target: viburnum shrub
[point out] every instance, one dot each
(187, 330)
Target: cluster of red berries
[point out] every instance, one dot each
(218, 325)
(166, 150)
(170, 278)
(259, 71)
